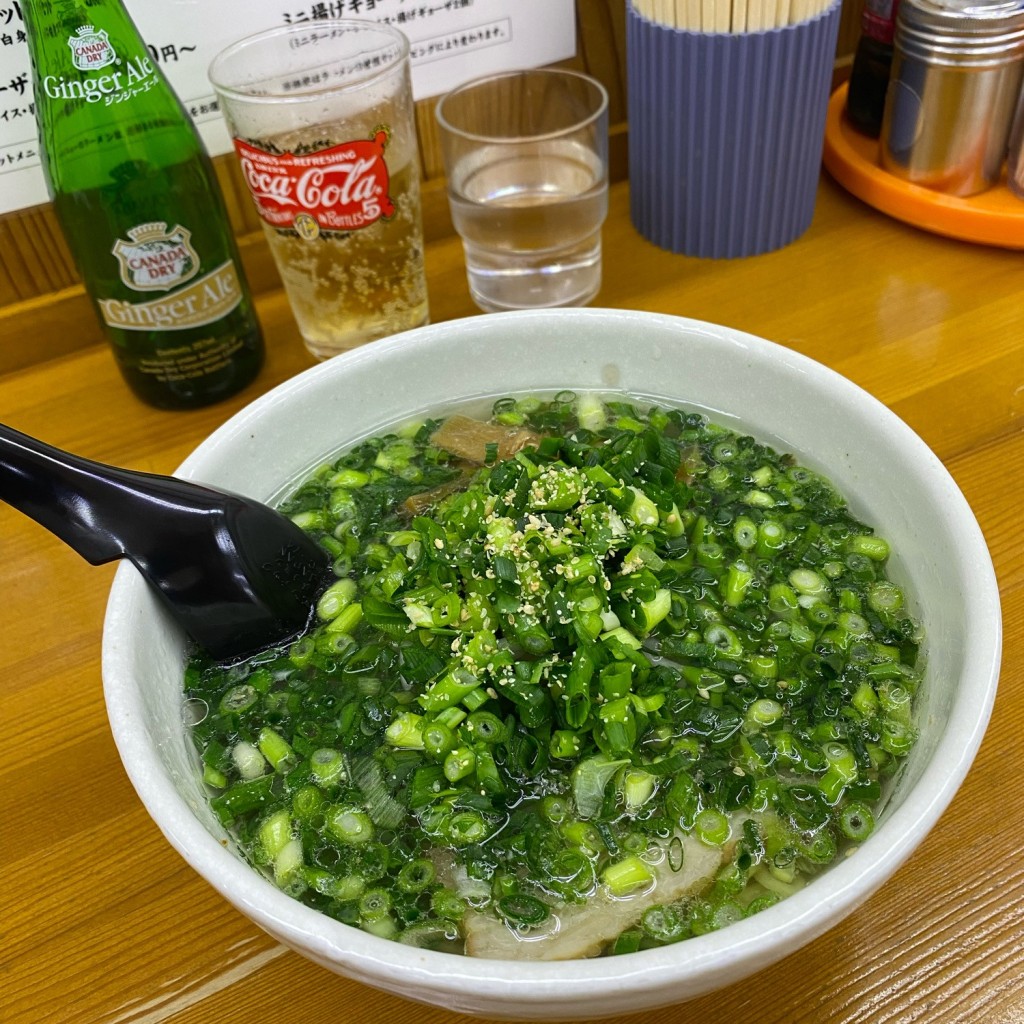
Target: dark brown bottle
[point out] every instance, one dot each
(872, 63)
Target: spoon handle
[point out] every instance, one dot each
(77, 500)
(104, 512)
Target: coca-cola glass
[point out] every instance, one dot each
(322, 118)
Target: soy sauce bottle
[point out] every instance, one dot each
(872, 65)
(137, 200)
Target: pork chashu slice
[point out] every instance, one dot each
(583, 929)
(470, 439)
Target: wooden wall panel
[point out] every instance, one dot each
(602, 50)
(431, 162)
(34, 258)
(849, 31)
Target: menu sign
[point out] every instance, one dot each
(450, 42)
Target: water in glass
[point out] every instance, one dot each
(530, 222)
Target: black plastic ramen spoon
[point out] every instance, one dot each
(235, 574)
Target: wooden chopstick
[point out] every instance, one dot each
(729, 15)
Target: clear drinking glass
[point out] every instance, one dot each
(526, 156)
(322, 118)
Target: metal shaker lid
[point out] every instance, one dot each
(962, 32)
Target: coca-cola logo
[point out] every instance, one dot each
(341, 188)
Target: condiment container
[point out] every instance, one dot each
(956, 76)
(872, 65)
(1015, 156)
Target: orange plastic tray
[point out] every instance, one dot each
(994, 217)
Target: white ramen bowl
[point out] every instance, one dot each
(890, 477)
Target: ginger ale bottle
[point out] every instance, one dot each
(137, 200)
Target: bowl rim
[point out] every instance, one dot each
(709, 960)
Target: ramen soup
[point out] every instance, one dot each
(592, 678)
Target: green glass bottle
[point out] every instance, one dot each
(138, 202)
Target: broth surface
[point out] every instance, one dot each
(594, 677)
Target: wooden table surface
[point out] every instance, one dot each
(103, 923)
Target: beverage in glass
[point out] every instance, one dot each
(323, 123)
(526, 160)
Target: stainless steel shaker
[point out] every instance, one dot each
(957, 72)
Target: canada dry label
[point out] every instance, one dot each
(155, 259)
(202, 302)
(341, 188)
(90, 48)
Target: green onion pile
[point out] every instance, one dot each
(560, 662)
